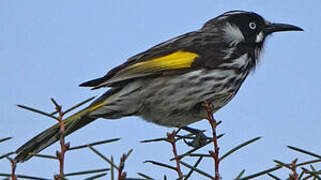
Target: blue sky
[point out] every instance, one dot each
(47, 48)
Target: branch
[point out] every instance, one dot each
(209, 108)
(13, 168)
(172, 140)
(63, 146)
(121, 174)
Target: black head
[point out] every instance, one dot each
(247, 27)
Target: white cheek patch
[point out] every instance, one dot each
(259, 37)
(233, 34)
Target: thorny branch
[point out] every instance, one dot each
(63, 146)
(122, 175)
(13, 169)
(294, 175)
(172, 140)
(209, 108)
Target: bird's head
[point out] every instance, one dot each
(243, 32)
(246, 27)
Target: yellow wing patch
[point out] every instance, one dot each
(176, 60)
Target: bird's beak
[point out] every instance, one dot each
(277, 27)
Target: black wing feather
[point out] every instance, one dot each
(198, 42)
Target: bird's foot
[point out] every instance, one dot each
(199, 139)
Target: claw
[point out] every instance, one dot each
(199, 140)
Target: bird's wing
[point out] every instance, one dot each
(179, 53)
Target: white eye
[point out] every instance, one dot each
(252, 25)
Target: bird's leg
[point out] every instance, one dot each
(199, 140)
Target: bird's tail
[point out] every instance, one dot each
(72, 123)
(51, 135)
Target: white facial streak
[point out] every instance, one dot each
(259, 37)
(233, 34)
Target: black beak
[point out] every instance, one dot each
(276, 27)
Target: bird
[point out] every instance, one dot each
(168, 83)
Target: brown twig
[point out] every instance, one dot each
(294, 175)
(13, 168)
(172, 140)
(209, 108)
(63, 146)
(121, 174)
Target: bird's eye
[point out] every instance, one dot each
(252, 25)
